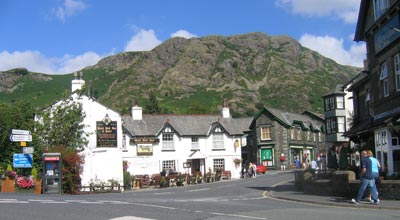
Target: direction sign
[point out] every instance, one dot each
(17, 131)
(20, 137)
(22, 160)
(27, 150)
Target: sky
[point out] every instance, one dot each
(63, 36)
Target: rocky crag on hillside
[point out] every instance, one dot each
(248, 70)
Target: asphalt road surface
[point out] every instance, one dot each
(244, 199)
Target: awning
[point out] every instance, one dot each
(196, 155)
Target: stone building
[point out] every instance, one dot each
(273, 132)
(376, 93)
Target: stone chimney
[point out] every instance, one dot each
(137, 112)
(77, 82)
(225, 110)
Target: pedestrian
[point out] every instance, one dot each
(250, 170)
(313, 167)
(375, 171)
(254, 167)
(283, 162)
(367, 180)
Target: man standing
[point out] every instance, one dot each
(367, 180)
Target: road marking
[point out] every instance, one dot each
(196, 190)
(13, 201)
(154, 206)
(54, 202)
(131, 218)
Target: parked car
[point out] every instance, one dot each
(261, 169)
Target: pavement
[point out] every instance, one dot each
(287, 191)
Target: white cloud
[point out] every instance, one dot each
(69, 8)
(36, 62)
(72, 64)
(184, 34)
(333, 48)
(347, 10)
(143, 40)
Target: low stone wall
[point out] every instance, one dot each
(343, 184)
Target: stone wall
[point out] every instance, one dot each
(343, 184)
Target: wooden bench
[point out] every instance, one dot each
(226, 175)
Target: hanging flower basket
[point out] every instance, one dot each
(237, 161)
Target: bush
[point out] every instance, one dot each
(127, 180)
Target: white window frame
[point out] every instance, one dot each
(168, 165)
(195, 143)
(341, 125)
(265, 133)
(219, 163)
(384, 78)
(339, 102)
(218, 141)
(168, 141)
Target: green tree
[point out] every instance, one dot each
(17, 115)
(62, 125)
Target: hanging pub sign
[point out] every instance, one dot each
(106, 133)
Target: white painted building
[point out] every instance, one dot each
(183, 143)
(103, 153)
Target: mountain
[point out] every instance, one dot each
(196, 75)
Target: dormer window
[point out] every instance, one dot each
(218, 139)
(168, 139)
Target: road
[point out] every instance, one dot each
(244, 199)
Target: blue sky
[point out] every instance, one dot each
(63, 36)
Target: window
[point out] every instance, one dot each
(168, 165)
(397, 71)
(292, 130)
(329, 103)
(219, 164)
(308, 133)
(340, 102)
(328, 126)
(320, 136)
(315, 137)
(218, 141)
(384, 78)
(168, 141)
(195, 143)
(265, 133)
(380, 7)
(341, 124)
(298, 134)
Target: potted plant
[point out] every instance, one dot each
(38, 181)
(163, 182)
(8, 184)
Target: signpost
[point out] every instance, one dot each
(20, 137)
(22, 160)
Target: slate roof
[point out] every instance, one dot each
(184, 125)
(288, 118)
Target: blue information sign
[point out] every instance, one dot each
(22, 160)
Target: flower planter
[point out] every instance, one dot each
(38, 187)
(8, 185)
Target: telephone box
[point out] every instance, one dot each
(52, 175)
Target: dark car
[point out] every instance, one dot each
(261, 169)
